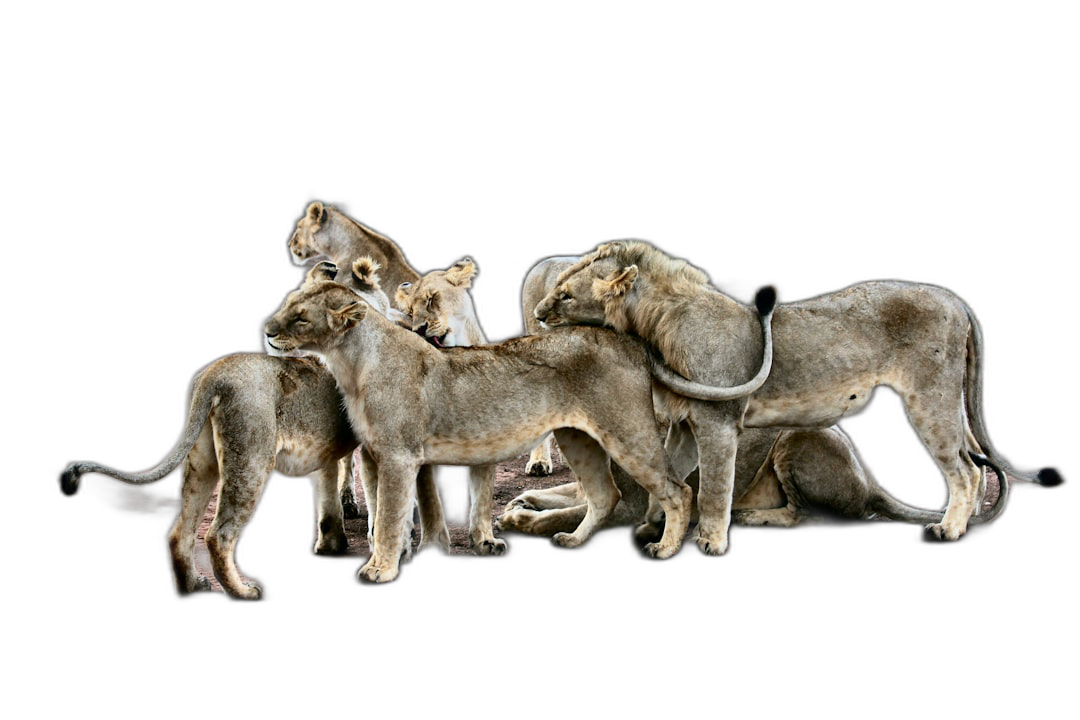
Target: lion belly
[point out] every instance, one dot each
(297, 457)
(483, 449)
(467, 444)
(816, 408)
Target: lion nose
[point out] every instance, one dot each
(422, 330)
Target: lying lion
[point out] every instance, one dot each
(412, 404)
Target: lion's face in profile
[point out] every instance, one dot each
(301, 244)
(436, 300)
(313, 318)
(582, 294)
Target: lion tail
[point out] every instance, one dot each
(973, 400)
(765, 302)
(887, 506)
(202, 401)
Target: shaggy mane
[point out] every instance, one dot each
(672, 274)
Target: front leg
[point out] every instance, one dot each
(397, 490)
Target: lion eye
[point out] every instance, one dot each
(564, 297)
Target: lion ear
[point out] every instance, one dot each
(345, 318)
(403, 294)
(324, 271)
(365, 272)
(616, 286)
(461, 273)
(316, 213)
(607, 249)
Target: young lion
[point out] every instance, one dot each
(251, 414)
(412, 404)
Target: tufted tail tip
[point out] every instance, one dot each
(765, 300)
(69, 481)
(1049, 477)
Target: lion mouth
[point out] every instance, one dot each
(438, 341)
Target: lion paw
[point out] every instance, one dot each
(376, 574)
(938, 531)
(540, 468)
(351, 510)
(712, 545)
(567, 540)
(513, 519)
(332, 544)
(494, 546)
(659, 550)
(247, 591)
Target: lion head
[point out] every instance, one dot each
(439, 307)
(302, 244)
(314, 318)
(597, 288)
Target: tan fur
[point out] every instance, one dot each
(251, 414)
(781, 477)
(324, 231)
(412, 404)
(830, 352)
(440, 308)
(538, 282)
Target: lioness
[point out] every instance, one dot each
(830, 352)
(250, 414)
(781, 477)
(324, 231)
(413, 404)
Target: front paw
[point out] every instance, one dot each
(938, 531)
(712, 543)
(492, 546)
(538, 468)
(566, 540)
(332, 544)
(376, 573)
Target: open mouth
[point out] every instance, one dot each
(438, 341)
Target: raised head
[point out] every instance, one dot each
(302, 243)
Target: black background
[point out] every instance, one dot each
(156, 228)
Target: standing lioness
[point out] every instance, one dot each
(411, 404)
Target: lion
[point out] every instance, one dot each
(830, 353)
(781, 478)
(412, 404)
(324, 231)
(440, 308)
(250, 414)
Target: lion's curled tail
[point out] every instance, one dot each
(202, 401)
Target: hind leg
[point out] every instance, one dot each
(200, 478)
(481, 502)
(716, 427)
(245, 467)
(590, 463)
(938, 418)
(331, 521)
(682, 451)
(433, 529)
